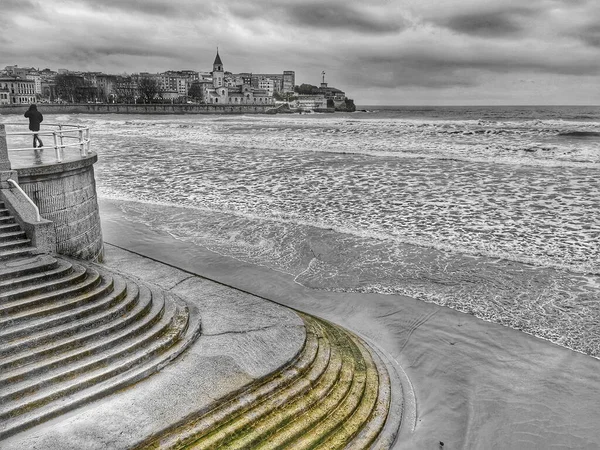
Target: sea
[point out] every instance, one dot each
(492, 211)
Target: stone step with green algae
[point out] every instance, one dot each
(364, 409)
(333, 412)
(327, 406)
(263, 420)
(333, 386)
(257, 392)
(374, 426)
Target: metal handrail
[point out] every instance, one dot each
(75, 132)
(38, 218)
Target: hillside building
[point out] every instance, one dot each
(16, 91)
(224, 91)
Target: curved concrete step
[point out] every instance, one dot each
(313, 360)
(374, 429)
(73, 332)
(7, 219)
(87, 343)
(24, 266)
(12, 253)
(356, 411)
(55, 308)
(35, 332)
(39, 288)
(8, 227)
(182, 330)
(10, 235)
(14, 244)
(98, 365)
(132, 309)
(313, 425)
(334, 399)
(37, 273)
(324, 394)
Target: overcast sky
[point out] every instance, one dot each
(415, 52)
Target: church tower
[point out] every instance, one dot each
(218, 73)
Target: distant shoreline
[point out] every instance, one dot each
(152, 108)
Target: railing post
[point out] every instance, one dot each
(60, 133)
(81, 145)
(87, 133)
(4, 161)
(57, 149)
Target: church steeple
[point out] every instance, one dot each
(218, 73)
(218, 65)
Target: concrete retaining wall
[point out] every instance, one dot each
(139, 109)
(66, 194)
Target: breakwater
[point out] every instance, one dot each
(154, 108)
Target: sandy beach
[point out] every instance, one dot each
(477, 384)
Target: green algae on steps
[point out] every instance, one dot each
(326, 403)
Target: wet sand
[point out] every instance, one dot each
(478, 385)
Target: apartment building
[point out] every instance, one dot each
(16, 91)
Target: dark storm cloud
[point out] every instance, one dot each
(488, 24)
(390, 75)
(321, 15)
(89, 54)
(14, 6)
(408, 45)
(450, 69)
(590, 35)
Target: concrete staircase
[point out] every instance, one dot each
(335, 394)
(72, 332)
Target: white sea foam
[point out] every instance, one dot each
(542, 214)
(494, 210)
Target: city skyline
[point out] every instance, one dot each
(386, 52)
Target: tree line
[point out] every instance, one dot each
(77, 89)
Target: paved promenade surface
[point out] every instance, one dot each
(34, 158)
(478, 385)
(243, 338)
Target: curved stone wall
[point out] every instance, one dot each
(66, 194)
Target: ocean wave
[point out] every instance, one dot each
(580, 133)
(295, 219)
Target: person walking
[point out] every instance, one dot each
(35, 118)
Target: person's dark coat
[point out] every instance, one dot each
(35, 118)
